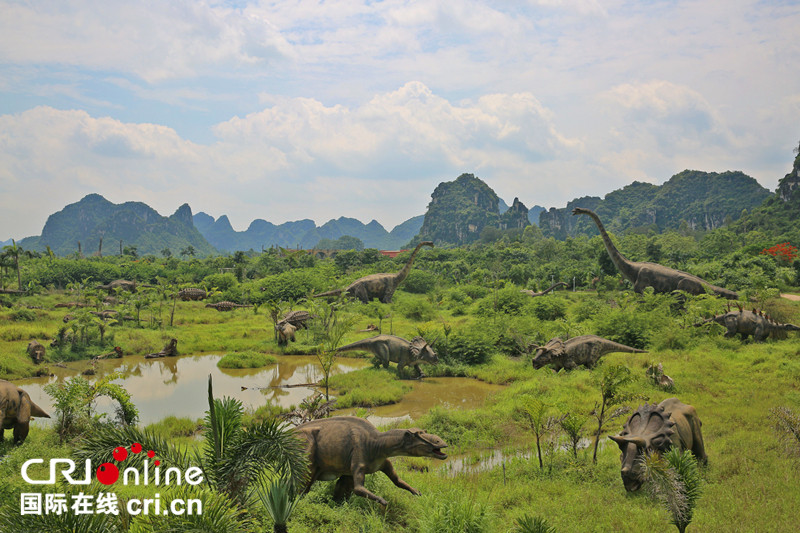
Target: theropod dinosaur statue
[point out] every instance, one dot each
(585, 350)
(388, 348)
(381, 286)
(661, 278)
(531, 293)
(747, 323)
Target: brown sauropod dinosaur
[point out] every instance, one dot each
(16, 411)
(657, 428)
(348, 448)
(661, 278)
(532, 293)
(585, 350)
(380, 286)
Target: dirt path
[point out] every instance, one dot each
(793, 297)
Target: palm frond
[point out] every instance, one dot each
(218, 514)
(276, 496)
(98, 446)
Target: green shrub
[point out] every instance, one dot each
(368, 387)
(419, 282)
(626, 326)
(222, 282)
(247, 359)
(417, 309)
(548, 308)
(469, 349)
(23, 315)
(454, 512)
(587, 308)
(508, 300)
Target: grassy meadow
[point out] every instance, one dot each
(749, 484)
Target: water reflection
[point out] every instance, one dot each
(179, 385)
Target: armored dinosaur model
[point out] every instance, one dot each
(657, 428)
(531, 293)
(388, 348)
(297, 318)
(380, 286)
(663, 279)
(36, 351)
(192, 294)
(226, 306)
(348, 448)
(16, 411)
(585, 350)
(747, 323)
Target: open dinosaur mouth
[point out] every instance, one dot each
(439, 454)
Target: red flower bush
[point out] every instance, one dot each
(784, 252)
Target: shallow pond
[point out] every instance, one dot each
(178, 386)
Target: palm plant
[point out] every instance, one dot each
(232, 456)
(674, 479)
(279, 501)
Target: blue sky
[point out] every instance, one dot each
(309, 109)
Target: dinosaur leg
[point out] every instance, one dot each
(420, 373)
(361, 490)
(20, 432)
(343, 489)
(388, 469)
(400, 367)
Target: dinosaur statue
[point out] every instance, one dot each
(662, 279)
(186, 295)
(531, 293)
(297, 318)
(388, 348)
(657, 428)
(123, 284)
(349, 447)
(36, 352)
(286, 332)
(226, 306)
(70, 304)
(16, 410)
(381, 286)
(746, 323)
(170, 350)
(585, 350)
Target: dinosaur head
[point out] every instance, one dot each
(422, 352)
(546, 354)
(417, 443)
(648, 430)
(581, 211)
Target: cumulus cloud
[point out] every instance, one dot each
(294, 154)
(154, 40)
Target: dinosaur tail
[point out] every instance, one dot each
(612, 347)
(335, 292)
(364, 345)
(38, 411)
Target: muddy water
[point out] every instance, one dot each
(178, 386)
(451, 393)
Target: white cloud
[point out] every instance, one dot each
(154, 40)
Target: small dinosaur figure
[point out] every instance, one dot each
(585, 350)
(188, 294)
(531, 293)
(380, 286)
(388, 348)
(663, 279)
(349, 447)
(170, 350)
(16, 410)
(36, 351)
(226, 306)
(748, 323)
